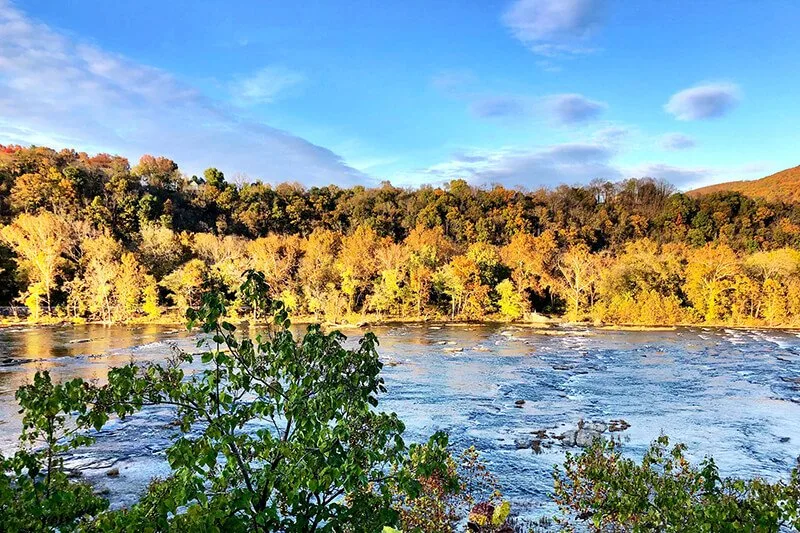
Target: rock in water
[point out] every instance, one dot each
(568, 437)
(600, 427)
(618, 425)
(585, 437)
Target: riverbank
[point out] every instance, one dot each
(368, 320)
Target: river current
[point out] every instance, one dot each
(731, 394)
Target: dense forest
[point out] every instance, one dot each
(783, 186)
(96, 238)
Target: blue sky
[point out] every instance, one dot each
(519, 92)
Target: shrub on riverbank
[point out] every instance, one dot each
(665, 492)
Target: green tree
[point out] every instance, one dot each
(319, 455)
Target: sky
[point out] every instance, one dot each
(523, 93)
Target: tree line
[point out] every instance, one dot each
(92, 237)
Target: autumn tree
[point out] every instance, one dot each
(710, 274)
(319, 274)
(356, 263)
(135, 289)
(278, 258)
(510, 303)
(157, 172)
(390, 290)
(160, 249)
(47, 189)
(427, 250)
(226, 257)
(39, 242)
(186, 283)
(532, 261)
(579, 274)
(101, 274)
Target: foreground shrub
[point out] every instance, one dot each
(279, 434)
(35, 491)
(451, 488)
(664, 492)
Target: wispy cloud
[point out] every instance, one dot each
(264, 85)
(558, 109)
(613, 135)
(572, 163)
(681, 177)
(712, 100)
(573, 108)
(59, 91)
(499, 107)
(524, 167)
(554, 28)
(675, 142)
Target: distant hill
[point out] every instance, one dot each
(781, 186)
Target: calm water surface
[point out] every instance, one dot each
(731, 394)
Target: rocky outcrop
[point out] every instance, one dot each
(582, 436)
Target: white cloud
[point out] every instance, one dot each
(526, 167)
(264, 85)
(58, 91)
(569, 163)
(701, 102)
(555, 28)
(572, 108)
(674, 142)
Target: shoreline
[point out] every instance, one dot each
(543, 323)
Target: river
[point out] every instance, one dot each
(732, 394)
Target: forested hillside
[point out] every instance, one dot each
(94, 237)
(783, 186)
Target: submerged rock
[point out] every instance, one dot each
(523, 443)
(536, 446)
